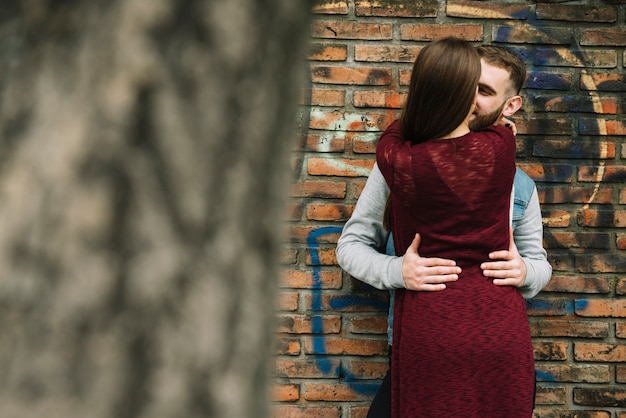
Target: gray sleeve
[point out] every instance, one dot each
(363, 237)
(528, 237)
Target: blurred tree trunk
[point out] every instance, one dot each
(143, 163)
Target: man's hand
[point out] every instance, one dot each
(427, 274)
(508, 123)
(509, 270)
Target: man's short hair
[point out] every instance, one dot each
(502, 57)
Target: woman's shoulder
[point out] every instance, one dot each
(498, 130)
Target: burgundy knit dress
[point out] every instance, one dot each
(465, 351)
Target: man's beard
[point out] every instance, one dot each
(480, 122)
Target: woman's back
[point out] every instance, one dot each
(452, 191)
(456, 194)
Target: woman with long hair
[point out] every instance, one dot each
(465, 351)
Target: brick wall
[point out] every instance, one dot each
(331, 328)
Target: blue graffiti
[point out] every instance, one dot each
(319, 343)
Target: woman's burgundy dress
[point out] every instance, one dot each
(465, 351)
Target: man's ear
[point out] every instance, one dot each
(512, 105)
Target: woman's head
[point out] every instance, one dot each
(442, 90)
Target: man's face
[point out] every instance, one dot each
(493, 92)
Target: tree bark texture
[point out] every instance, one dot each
(143, 166)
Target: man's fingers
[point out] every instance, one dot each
(427, 287)
(431, 283)
(500, 255)
(415, 244)
(499, 274)
(505, 282)
(441, 262)
(432, 288)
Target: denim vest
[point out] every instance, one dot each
(524, 187)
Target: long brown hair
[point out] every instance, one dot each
(442, 90)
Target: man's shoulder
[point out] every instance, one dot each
(524, 186)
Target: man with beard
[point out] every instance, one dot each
(524, 265)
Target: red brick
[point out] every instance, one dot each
(285, 392)
(368, 325)
(339, 7)
(550, 350)
(420, 32)
(563, 57)
(600, 126)
(588, 240)
(486, 10)
(620, 288)
(334, 29)
(602, 81)
(598, 352)
(387, 99)
(307, 369)
(607, 262)
(305, 324)
(325, 257)
(329, 212)
(359, 411)
(311, 411)
(342, 121)
(332, 392)
(603, 37)
(353, 302)
(524, 33)
(552, 395)
(599, 396)
(557, 218)
(585, 194)
(569, 328)
(328, 97)
(339, 167)
(603, 174)
(367, 76)
(368, 369)
(544, 126)
(327, 52)
(405, 77)
(423, 8)
(578, 284)
(552, 413)
(576, 13)
(571, 103)
(319, 189)
(299, 279)
(364, 143)
(287, 301)
(347, 346)
(386, 53)
(601, 218)
(601, 308)
(327, 142)
(579, 373)
(301, 234)
(620, 329)
(287, 346)
(620, 375)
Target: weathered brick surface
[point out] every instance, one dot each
(331, 343)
